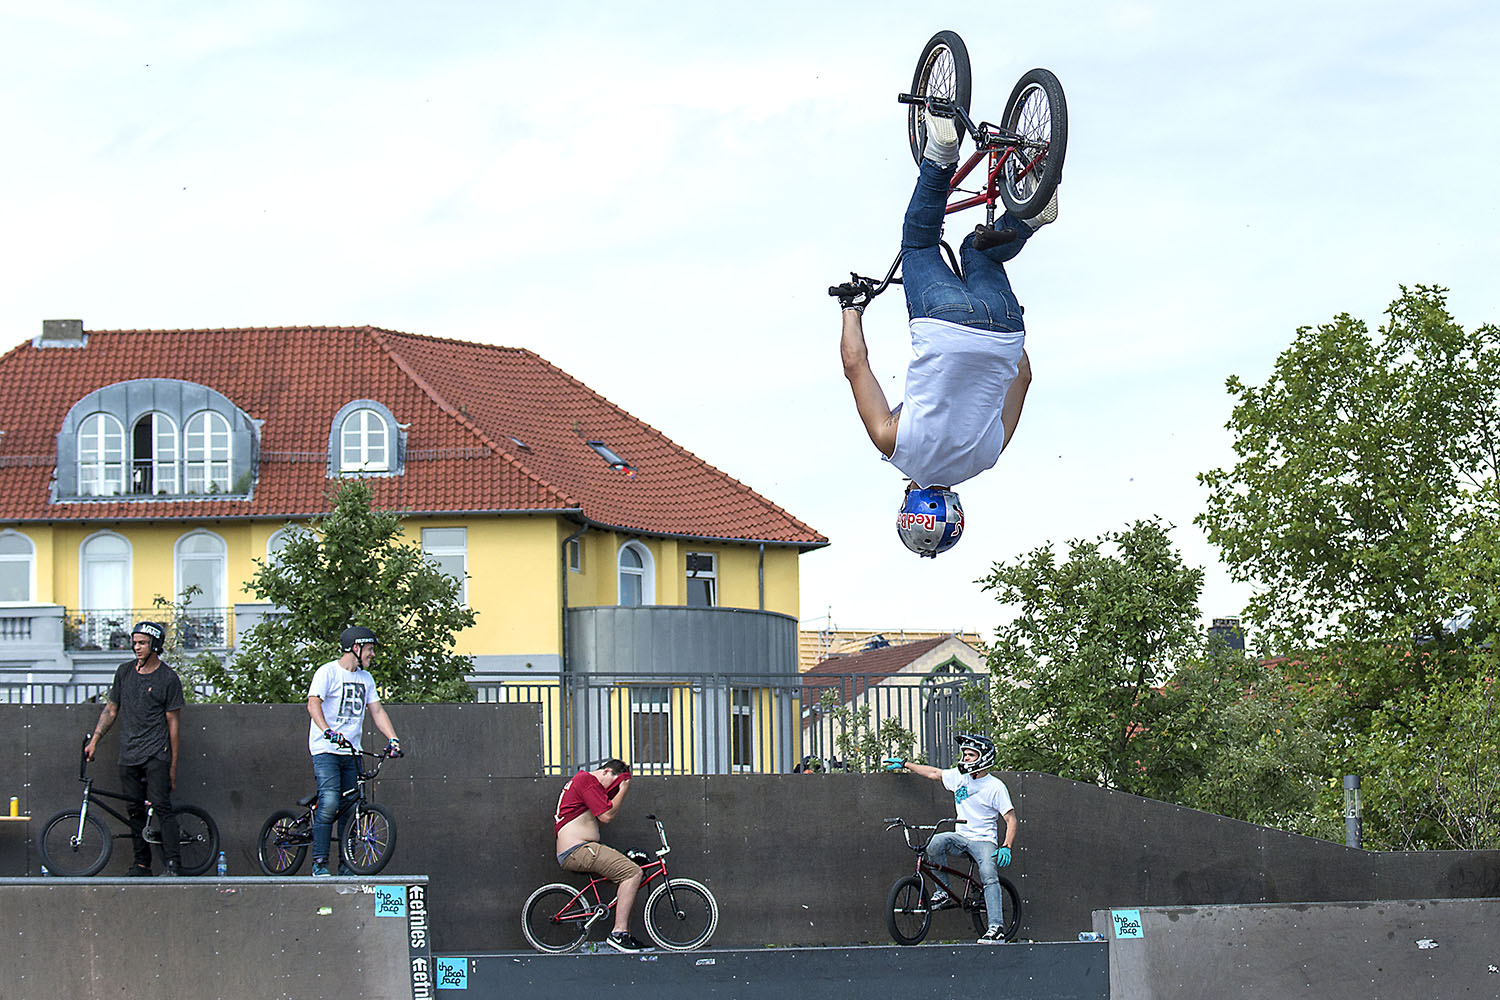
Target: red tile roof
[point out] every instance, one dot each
(464, 403)
(868, 667)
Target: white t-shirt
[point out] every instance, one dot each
(345, 694)
(980, 802)
(949, 429)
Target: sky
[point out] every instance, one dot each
(656, 196)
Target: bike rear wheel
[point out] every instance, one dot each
(67, 854)
(1010, 905)
(942, 71)
(198, 840)
(278, 850)
(1037, 112)
(552, 921)
(681, 914)
(371, 840)
(908, 912)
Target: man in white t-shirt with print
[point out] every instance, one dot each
(981, 801)
(969, 375)
(341, 692)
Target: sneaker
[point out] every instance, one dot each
(942, 140)
(1046, 215)
(986, 237)
(620, 941)
(345, 871)
(942, 901)
(992, 936)
(138, 871)
(320, 870)
(172, 870)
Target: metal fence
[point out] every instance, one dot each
(682, 723)
(99, 629)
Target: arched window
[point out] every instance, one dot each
(17, 567)
(104, 572)
(637, 575)
(153, 455)
(202, 563)
(279, 540)
(207, 453)
(364, 442)
(101, 456)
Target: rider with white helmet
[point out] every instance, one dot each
(981, 800)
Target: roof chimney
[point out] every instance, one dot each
(61, 333)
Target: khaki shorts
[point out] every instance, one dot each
(596, 859)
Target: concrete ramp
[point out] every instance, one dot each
(205, 938)
(1331, 951)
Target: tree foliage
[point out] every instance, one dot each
(1077, 676)
(1357, 460)
(1363, 506)
(351, 567)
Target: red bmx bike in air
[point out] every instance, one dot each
(1015, 164)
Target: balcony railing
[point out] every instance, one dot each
(109, 629)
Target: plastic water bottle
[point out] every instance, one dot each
(45, 872)
(223, 865)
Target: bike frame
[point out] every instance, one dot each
(590, 914)
(354, 798)
(96, 796)
(992, 143)
(927, 870)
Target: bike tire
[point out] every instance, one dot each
(371, 839)
(1010, 904)
(908, 911)
(275, 855)
(197, 839)
(1038, 112)
(942, 71)
(67, 859)
(540, 923)
(681, 914)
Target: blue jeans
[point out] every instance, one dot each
(983, 852)
(982, 297)
(336, 774)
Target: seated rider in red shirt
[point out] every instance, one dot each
(588, 799)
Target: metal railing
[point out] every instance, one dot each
(680, 723)
(109, 628)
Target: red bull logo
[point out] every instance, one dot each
(927, 522)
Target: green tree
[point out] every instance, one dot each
(1078, 677)
(1356, 461)
(351, 567)
(1363, 506)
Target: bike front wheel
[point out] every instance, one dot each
(1037, 114)
(908, 912)
(942, 71)
(198, 840)
(281, 846)
(554, 919)
(1010, 905)
(71, 853)
(681, 914)
(371, 840)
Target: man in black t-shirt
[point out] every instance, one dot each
(147, 697)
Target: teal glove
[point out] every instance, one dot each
(893, 764)
(1002, 857)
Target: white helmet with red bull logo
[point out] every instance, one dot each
(931, 520)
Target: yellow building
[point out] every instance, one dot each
(134, 464)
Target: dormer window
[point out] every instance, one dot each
(155, 439)
(101, 456)
(366, 440)
(364, 443)
(153, 462)
(207, 453)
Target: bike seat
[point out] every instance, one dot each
(308, 800)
